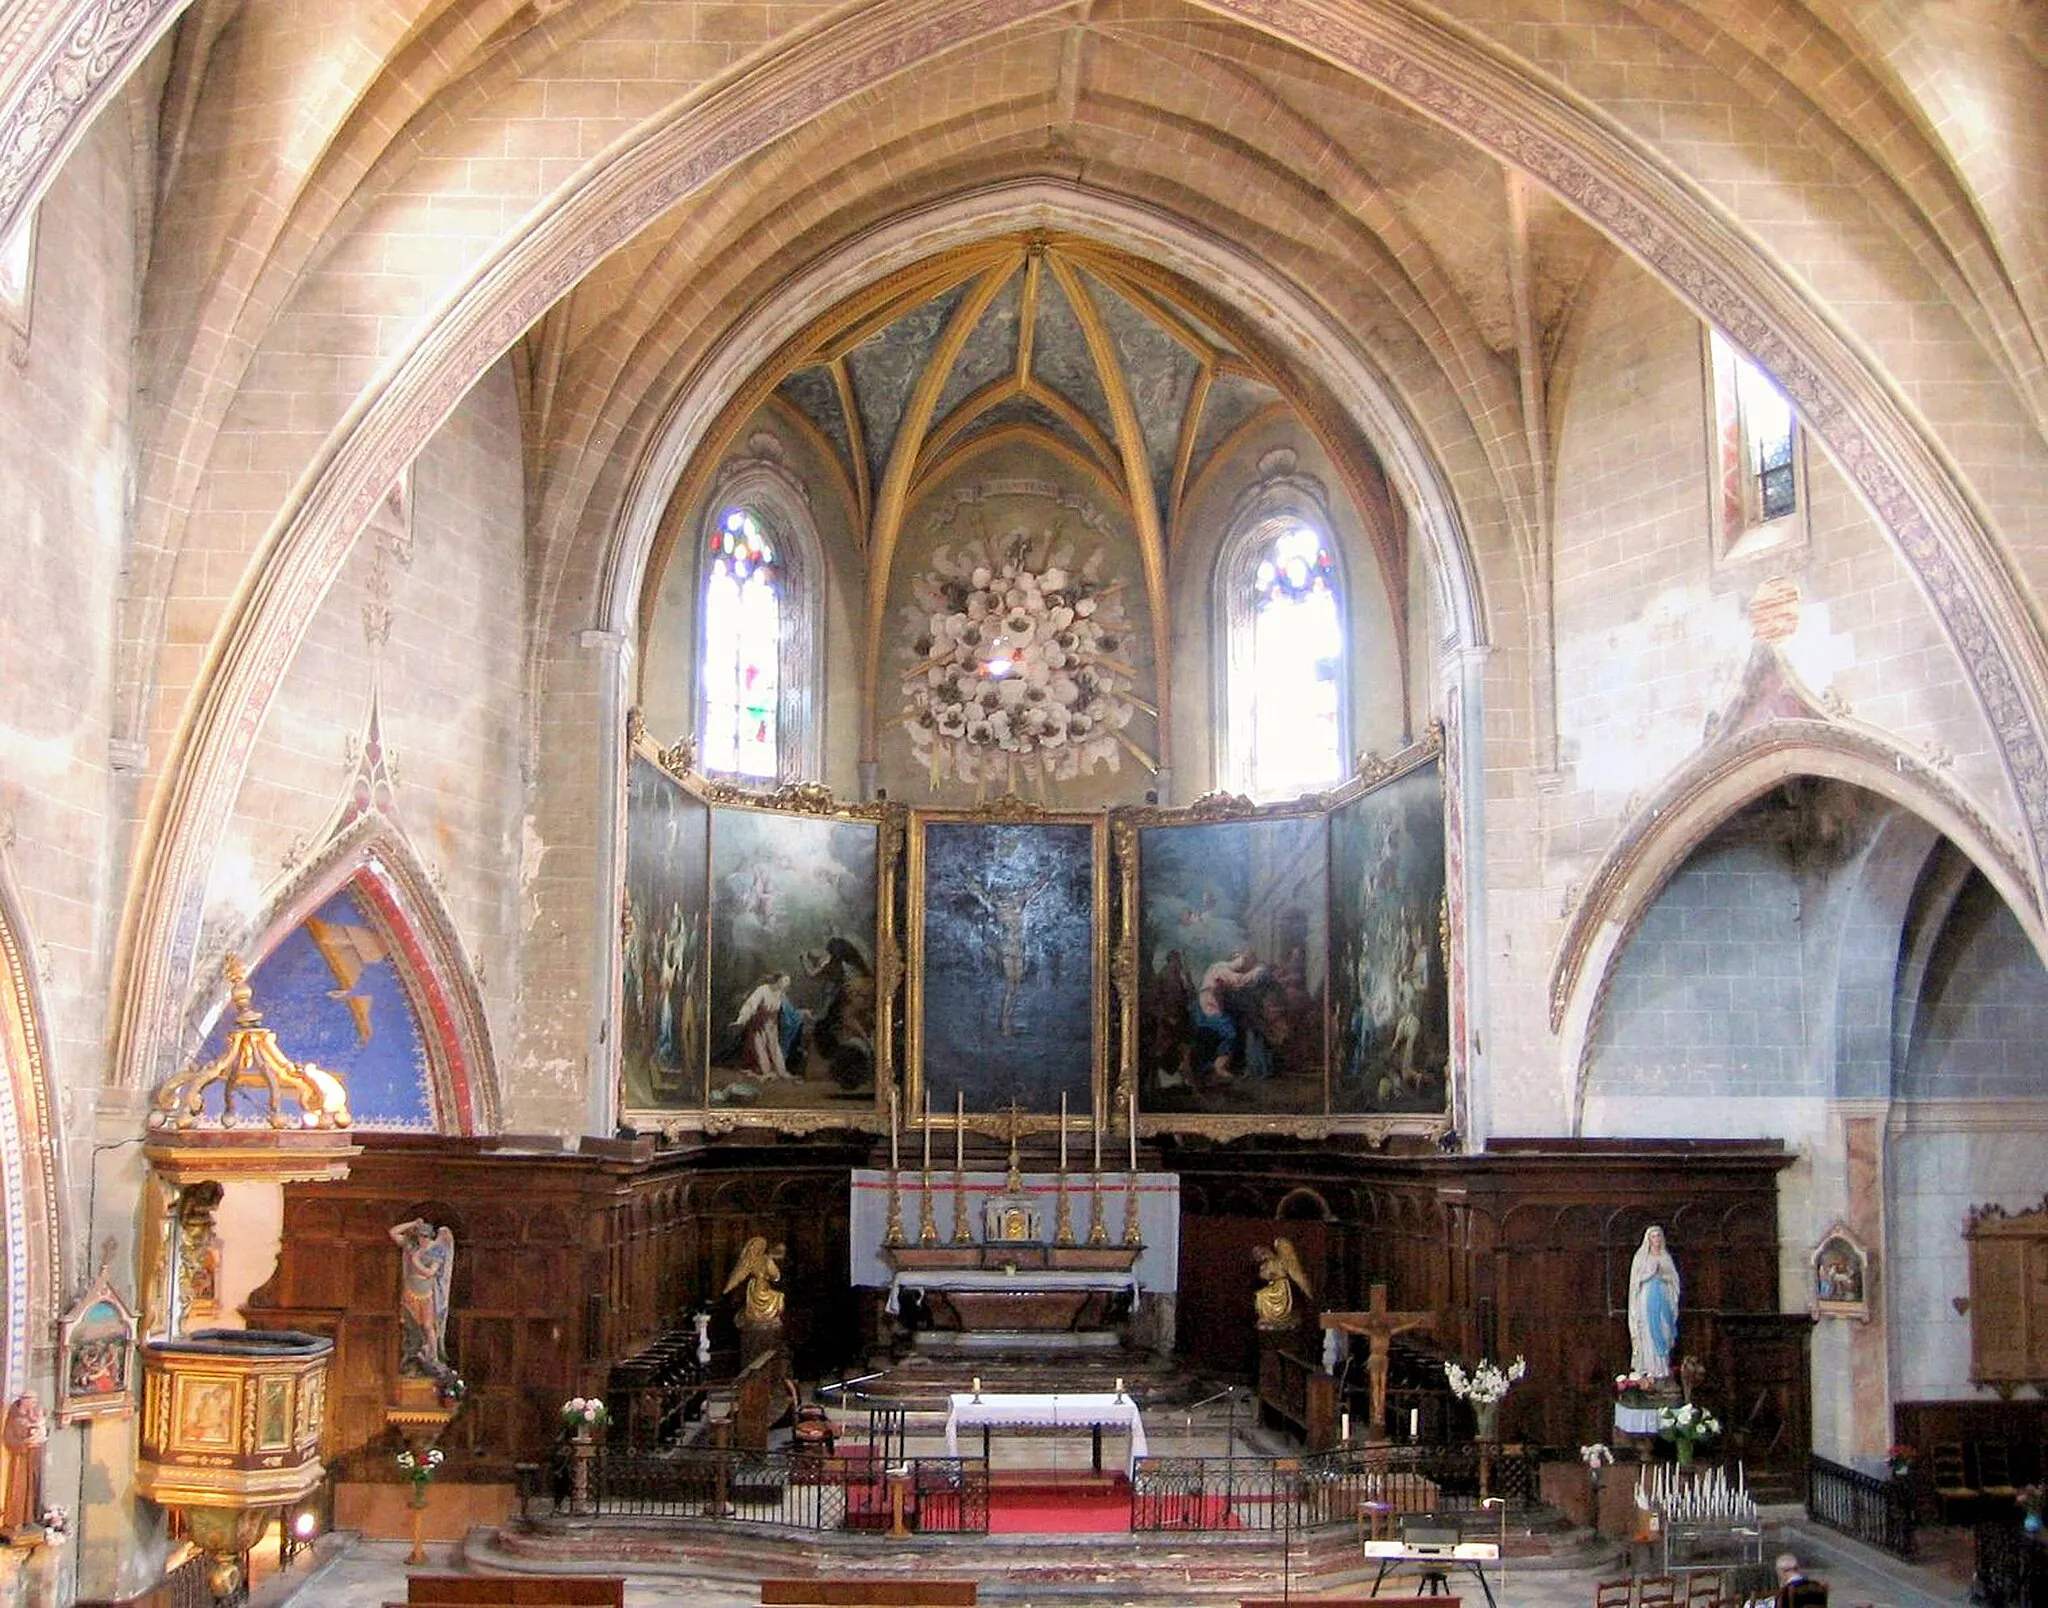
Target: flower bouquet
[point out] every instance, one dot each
(1484, 1387)
(420, 1468)
(1901, 1460)
(56, 1523)
(1685, 1426)
(1635, 1390)
(582, 1414)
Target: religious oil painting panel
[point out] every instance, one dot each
(1006, 978)
(794, 923)
(1392, 1003)
(1233, 945)
(661, 1028)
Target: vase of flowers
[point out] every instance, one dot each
(1685, 1426)
(1900, 1461)
(1484, 1387)
(420, 1468)
(583, 1416)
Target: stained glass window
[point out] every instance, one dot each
(741, 677)
(1296, 666)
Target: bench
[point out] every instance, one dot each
(514, 1591)
(870, 1592)
(1347, 1602)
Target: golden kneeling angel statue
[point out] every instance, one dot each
(758, 1268)
(1282, 1273)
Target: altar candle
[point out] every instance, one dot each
(959, 1130)
(1119, 1390)
(977, 1387)
(1134, 1130)
(1063, 1132)
(1344, 1432)
(927, 1133)
(894, 1159)
(1095, 1128)
(1415, 1423)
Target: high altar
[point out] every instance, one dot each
(998, 1272)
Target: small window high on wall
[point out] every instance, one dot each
(1759, 490)
(741, 676)
(1286, 661)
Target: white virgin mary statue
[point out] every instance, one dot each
(1652, 1306)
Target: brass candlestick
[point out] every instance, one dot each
(893, 1234)
(962, 1234)
(1132, 1237)
(927, 1226)
(1097, 1234)
(1063, 1221)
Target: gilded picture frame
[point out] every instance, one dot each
(1390, 946)
(1842, 1268)
(1221, 977)
(96, 1351)
(1003, 901)
(834, 938)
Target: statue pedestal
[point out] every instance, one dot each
(758, 1340)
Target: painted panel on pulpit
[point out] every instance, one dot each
(1007, 920)
(661, 1027)
(1392, 1005)
(793, 939)
(1233, 946)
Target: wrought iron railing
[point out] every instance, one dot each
(2012, 1567)
(800, 1490)
(1307, 1493)
(1876, 1511)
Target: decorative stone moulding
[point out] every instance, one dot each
(198, 1134)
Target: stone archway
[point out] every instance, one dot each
(1459, 82)
(28, 1160)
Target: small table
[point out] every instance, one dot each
(1093, 1412)
(1435, 1564)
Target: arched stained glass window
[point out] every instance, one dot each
(1296, 667)
(1755, 442)
(741, 675)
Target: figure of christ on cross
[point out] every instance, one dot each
(1379, 1326)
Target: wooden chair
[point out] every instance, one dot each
(1951, 1481)
(1994, 1471)
(1657, 1591)
(1702, 1588)
(1614, 1593)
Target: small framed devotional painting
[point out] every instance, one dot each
(96, 1343)
(1841, 1276)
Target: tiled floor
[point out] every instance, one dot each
(352, 1573)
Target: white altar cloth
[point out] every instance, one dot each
(1097, 1410)
(994, 1278)
(1638, 1420)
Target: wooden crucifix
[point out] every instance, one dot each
(1379, 1326)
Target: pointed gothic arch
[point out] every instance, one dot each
(29, 1157)
(372, 858)
(1700, 798)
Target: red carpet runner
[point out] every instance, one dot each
(1090, 1507)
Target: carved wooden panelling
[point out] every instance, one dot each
(2008, 1297)
(1526, 1250)
(563, 1263)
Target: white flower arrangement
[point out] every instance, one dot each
(1487, 1383)
(419, 1467)
(56, 1523)
(585, 1412)
(1686, 1423)
(1017, 664)
(1597, 1456)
